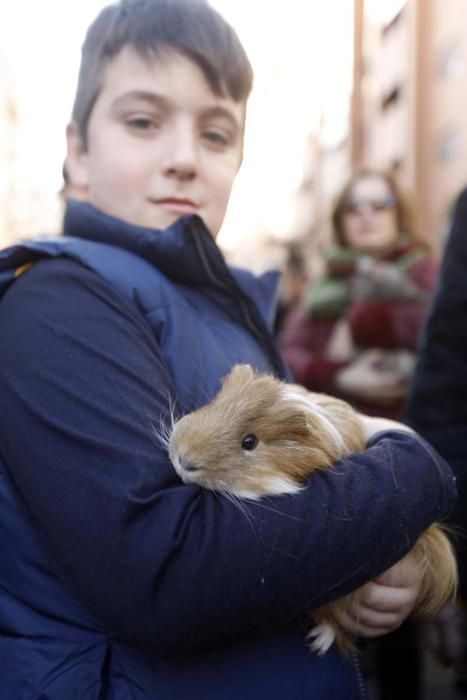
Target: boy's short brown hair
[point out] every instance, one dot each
(151, 27)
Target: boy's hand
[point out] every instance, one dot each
(364, 380)
(383, 604)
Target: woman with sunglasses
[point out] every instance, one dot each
(355, 334)
(356, 330)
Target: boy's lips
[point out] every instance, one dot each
(177, 205)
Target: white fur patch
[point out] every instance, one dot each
(323, 636)
(318, 412)
(280, 484)
(176, 464)
(270, 486)
(244, 493)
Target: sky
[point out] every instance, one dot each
(302, 61)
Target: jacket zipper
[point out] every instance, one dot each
(256, 331)
(246, 313)
(360, 678)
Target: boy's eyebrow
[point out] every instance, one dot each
(160, 101)
(143, 96)
(223, 113)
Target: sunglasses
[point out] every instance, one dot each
(374, 205)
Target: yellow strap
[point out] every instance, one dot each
(19, 270)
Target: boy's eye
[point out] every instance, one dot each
(142, 123)
(216, 137)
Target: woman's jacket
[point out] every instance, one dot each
(360, 303)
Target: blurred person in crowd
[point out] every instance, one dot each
(293, 283)
(117, 578)
(355, 336)
(437, 409)
(355, 333)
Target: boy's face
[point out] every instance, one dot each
(160, 143)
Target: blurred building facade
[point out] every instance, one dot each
(395, 96)
(408, 104)
(8, 153)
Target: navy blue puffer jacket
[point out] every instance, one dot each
(118, 581)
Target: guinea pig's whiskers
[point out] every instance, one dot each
(204, 394)
(241, 505)
(172, 412)
(163, 434)
(276, 511)
(194, 396)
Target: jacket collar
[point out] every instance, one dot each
(185, 252)
(173, 250)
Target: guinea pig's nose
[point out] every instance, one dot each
(188, 466)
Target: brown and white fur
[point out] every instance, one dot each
(295, 432)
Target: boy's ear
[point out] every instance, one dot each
(77, 157)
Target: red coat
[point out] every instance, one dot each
(378, 304)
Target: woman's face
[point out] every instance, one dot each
(369, 221)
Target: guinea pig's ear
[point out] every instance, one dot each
(239, 374)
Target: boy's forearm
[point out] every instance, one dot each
(225, 572)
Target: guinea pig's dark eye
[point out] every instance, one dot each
(249, 442)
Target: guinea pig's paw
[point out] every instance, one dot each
(323, 636)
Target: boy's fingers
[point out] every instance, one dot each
(386, 598)
(379, 609)
(371, 625)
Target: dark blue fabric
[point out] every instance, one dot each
(117, 581)
(437, 401)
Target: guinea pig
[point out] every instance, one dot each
(260, 436)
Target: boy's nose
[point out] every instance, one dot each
(183, 170)
(181, 155)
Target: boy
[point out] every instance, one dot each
(117, 580)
